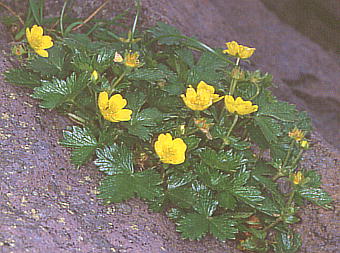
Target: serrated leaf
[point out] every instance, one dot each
(135, 100)
(279, 110)
(186, 56)
(192, 142)
(149, 75)
(213, 178)
(269, 127)
(52, 65)
(120, 187)
(116, 188)
(114, 160)
(193, 226)
(146, 184)
(162, 30)
(268, 207)
(226, 161)
(182, 197)
(227, 200)
(54, 93)
(179, 179)
(248, 194)
(222, 229)
(205, 204)
(83, 143)
(209, 69)
(142, 123)
(287, 243)
(317, 196)
(241, 178)
(22, 77)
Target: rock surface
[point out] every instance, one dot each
(46, 205)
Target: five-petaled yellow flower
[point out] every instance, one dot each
(239, 106)
(37, 41)
(131, 60)
(169, 150)
(202, 99)
(239, 51)
(296, 134)
(113, 109)
(297, 177)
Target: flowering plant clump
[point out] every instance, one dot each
(151, 115)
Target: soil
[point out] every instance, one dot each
(47, 205)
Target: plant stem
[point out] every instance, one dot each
(233, 125)
(117, 81)
(277, 221)
(234, 80)
(290, 200)
(297, 158)
(288, 153)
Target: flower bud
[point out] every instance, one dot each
(237, 74)
(297, 177)
(94, 76)
(304, 144)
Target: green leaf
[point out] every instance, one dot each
(179, 179)
(116, 188)
(83, 142)
(205, 203)
(226, 200)
(162, 30)
(317, 196)
(226, 161)
(241, 178)
(114, 160)
(135, 100)
(209, 69)
(142, 123)
(287, 242)
(186, 56)
(192, 142)
(222, 228)
(150, 75)
(269, 127)
(55, 92)
(22, 77)
(52, 65)
(267, 206)
(182, 197)
(193, 226)
(248, 194)
(278, 110)
(211, 177)
(146, 184)
(120, 187)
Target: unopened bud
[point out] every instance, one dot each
(297, 177)
(94, 76)
(237, 74)
(304, 144)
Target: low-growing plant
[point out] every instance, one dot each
(176, 123)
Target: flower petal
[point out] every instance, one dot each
(42, 52)
(103, 100)
(46, 42)
(37, 31)
(123, 115)
(116, 103)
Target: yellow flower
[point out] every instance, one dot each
(37, 41)
(239, 106)
(202, 99)
(296, 134)
(131, 60)
(297, 177)
(239, 51)
(112, 109)
(169, 150)
(94, 76)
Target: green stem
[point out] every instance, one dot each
(61, 18)
(257, 92)
(233, 125)
(277, 221)
(234, 80)
(277, 176)
(135, 21)
(288, 153)
(291, 197)
(297, 158)
(117, 81)
(192, 40)
(76, 118)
